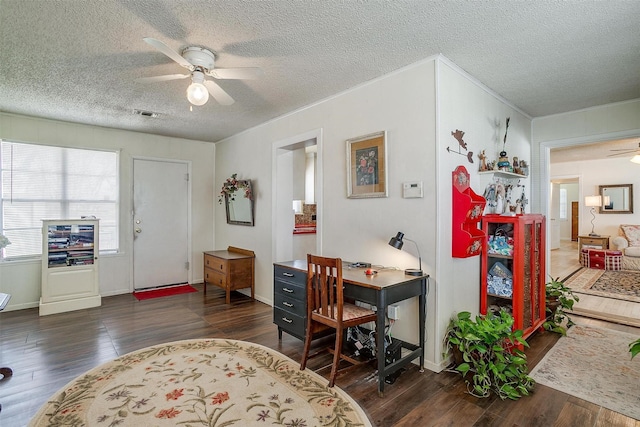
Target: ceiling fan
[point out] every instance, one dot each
(626, 151)
(201, 63)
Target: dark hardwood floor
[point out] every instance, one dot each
(47, 352)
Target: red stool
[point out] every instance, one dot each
(601, 259)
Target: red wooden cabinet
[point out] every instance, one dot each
(513, 268)
(466, 237)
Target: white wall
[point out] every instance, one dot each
(403, 104)
(22, 278)
(303, 244)
(467, 105)
(601, 123)
(593, 173)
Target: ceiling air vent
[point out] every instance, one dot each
(145, 113)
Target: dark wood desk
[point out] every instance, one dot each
(383, 289)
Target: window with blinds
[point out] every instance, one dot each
(563, 203)
(47, 182)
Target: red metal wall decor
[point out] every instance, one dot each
(466, 238)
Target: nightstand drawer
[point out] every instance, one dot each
(594, 242)
(291, 305)
(291, 323)
(214, 277)
(214, 263)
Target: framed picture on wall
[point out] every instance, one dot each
(367, 166)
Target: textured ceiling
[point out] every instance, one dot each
(615, 149)
(77, 60)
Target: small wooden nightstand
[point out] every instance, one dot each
(593, 242)
(230, 270)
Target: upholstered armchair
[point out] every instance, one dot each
(628, 242)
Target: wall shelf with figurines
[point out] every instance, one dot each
(503, 174)
(466, 237)
(504, 189)
(502, 164)
(504, 193)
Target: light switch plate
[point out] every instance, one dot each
(412, 190)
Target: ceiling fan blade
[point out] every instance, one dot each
(218, 93)
(627, 150)
(169, 52)
(162, 78)
(248, 73)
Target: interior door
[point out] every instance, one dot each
(160, 223)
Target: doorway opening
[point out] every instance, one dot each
(564, 225)
(297, 185)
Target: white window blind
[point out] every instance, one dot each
(46, 182)
(563, 203)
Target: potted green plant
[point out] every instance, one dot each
(490, 355)
(559, 299)
(634, 348)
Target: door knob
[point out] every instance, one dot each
(138, 230)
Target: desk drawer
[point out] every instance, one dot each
(290, 305)
(292, 323)
(290, 275)
(216, 263)
(291, 290)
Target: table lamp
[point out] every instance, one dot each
(397, 243)
(593, 202)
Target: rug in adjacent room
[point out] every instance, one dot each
(164, 292)
(623, 284)
(210, 382)
(594, 364)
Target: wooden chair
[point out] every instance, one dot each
(326, 308)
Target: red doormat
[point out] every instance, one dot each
(164, 292)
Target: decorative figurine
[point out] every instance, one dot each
(483, 161)
(503, 161)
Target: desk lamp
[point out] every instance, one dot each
(592, 202)
(397, 243)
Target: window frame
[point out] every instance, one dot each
(65, 203)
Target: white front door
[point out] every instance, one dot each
(160, 223)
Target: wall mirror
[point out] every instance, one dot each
(239, 207)
(616, 199)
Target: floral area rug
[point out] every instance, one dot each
(208, 382)
(623, 284)
(594, 364)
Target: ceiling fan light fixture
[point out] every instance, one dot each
(197, 92)
(636, 159)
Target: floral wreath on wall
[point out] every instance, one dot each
(231, 185)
